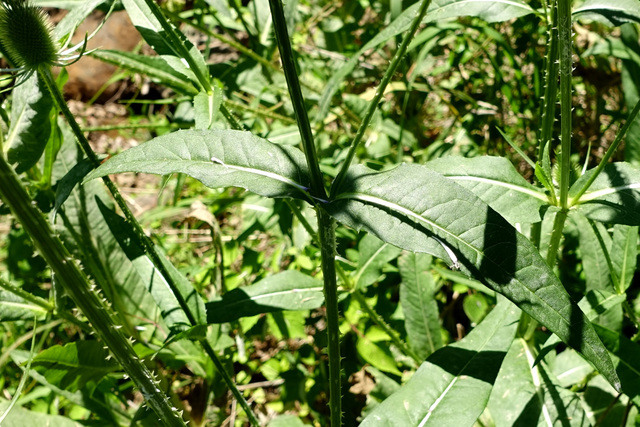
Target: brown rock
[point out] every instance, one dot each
(88, 76)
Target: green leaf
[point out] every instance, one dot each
(614, 196)
(67, 183)
(153, 67)
(421, 315)
(377, 354)
(452, 387)
(155, 283)
(594, 258)
(20, 417)
(289, 290)
(609, 12)
(625, 358)
(374, 255)
(624, 254)
(30, 124)
(73, 365)
(13, 308)
(569, 368)
(497, 183)
(439, 10)
(85, 233)
(206, 107)
(410, 204)
(218, 158)
(603, 308)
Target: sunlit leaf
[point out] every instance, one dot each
(218, 158)
(460, 375)
(409, 205)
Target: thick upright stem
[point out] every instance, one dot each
(295, 93)
(77, 286)
(566, 64)
(326, 233)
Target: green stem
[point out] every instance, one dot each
(566, 64)
(326, 233)
(295, 92)
(326, 225)
(549, 100)
(176, 44)
(77, 286)
(140, 237)
(556, 237)
(373, 105)
(181, 51)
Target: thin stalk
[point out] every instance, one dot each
(566, 64)
(608, 154)
(140, 237)
(326, 225)
(77, 286)
(175, 42)
(373, 104)
(295, 93)
(550, 95)
(326, 233)
(556, 237)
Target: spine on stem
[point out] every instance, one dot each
(77, 286)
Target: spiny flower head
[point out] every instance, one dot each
(27, 35)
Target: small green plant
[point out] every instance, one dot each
(497, 232)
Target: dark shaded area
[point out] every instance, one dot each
(482, 365)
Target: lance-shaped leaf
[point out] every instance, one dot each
(497, 183)
(609, 12)
(439, 10)
(410, 204)
(453, 386)
(624, 254)
(30, 124)
(218, 158)
(289, 290)
(614, 196)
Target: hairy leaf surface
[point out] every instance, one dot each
(30, 124)
(609, 12)
(497, 183)
(409, 205)
(218, 158)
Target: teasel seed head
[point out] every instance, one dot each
(27, 35)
